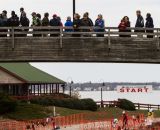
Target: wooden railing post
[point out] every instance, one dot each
(138, 106)
(109, 38)
(158, 43)
(13, 44)
(61, 37)
(148, 107)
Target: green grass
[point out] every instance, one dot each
(26, 111)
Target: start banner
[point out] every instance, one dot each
(134, 88)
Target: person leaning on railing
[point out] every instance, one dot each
(3, 23)
(139, 23)
(13, 21)
(124, 24)
(24, 22)
(68, 24)
(55, 22)
(45, 23)
(149, 24)
(34, 21)
(76, 25)
(99, 24)
(86, 22)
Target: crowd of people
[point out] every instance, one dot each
(85, 21)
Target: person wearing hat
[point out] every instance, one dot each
(55, 22)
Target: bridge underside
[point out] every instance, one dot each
(87, 49)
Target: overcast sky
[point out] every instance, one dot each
(113, 11)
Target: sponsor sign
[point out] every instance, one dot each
(134, 88)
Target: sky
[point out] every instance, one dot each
(112, 11)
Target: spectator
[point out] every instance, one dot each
(34, 19)
(76, 24)
(22, 14)
(4, 14)
(39, 23)
(24, 23)
(13, 21)
(68, 23)
(149, 24)
(4, 23)
(4, 18)
(55, 22)
(139, 22)
(91, 22)
(85, 22)
(34, 22)
(1, 22)
(99, 24)
(45, 22)
(123, 26)
(59, 18)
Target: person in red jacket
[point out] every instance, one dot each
(125, 23)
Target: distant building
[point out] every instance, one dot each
(22, 79)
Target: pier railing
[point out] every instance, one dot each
(82, 33)
(137, 105)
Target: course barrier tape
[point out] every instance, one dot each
(82, 121)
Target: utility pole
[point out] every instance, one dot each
(74, 7)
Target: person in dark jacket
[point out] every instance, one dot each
(13, 21)
(91, 22)
(4, 23)
(68, 23)
(85, 22)
(125, 23)
(55, 22)
(139, 22)
(99, 24)
(76, 24)
(149, 24)
(24, 22)
(45, 22)
(22, 13)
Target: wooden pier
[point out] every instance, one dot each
(137, 105)
(87, 48)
